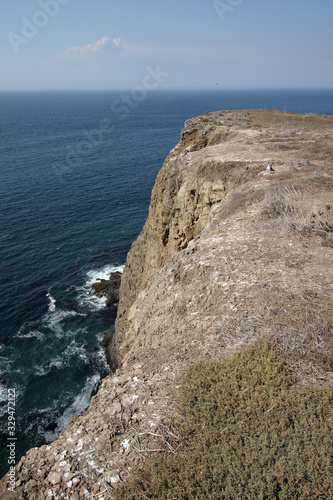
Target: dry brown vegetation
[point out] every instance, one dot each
(299, 213)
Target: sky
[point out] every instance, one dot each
(174, 44)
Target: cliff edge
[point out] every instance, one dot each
(237, 245)
(221, 157)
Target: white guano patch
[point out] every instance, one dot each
(125, 444)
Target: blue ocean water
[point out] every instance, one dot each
(75, 184)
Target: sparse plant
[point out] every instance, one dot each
(248, 432)
(318, 220)
(298, 164)
(290, 204)
(309, 343)
(281, 202)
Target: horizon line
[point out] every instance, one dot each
(128, 89)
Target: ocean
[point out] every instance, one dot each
(76, 174)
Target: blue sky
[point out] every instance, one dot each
(189, 44)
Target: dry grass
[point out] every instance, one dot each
(308, 347)
(281, 202)
(300, 323)
(165, 438)
(315, 220)
(297, 212)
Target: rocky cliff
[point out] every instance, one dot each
(237, 245)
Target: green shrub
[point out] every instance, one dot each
(248, 433)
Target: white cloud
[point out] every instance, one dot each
(117, 41)
(92, 48)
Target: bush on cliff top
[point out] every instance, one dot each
(248, 433)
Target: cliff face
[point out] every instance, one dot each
(230, 251)
(218, 154)
(180, 204)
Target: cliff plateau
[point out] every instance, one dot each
(237, 245)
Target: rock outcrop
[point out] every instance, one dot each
(220, 156)
(230, 251)
(108, 288)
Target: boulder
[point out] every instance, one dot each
(109, 288)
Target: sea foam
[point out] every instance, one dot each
(79, 405)
(52, 304)
(86, 296)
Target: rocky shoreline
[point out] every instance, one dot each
(108, 288)
(231, 251)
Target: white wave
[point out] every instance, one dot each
(102, 274)
(21, 334)
(86, 295)
(52, 305)
(79, 405)
(40, 371)
(53, 319)
(90, 301)
(100, 355)
(73, 351)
